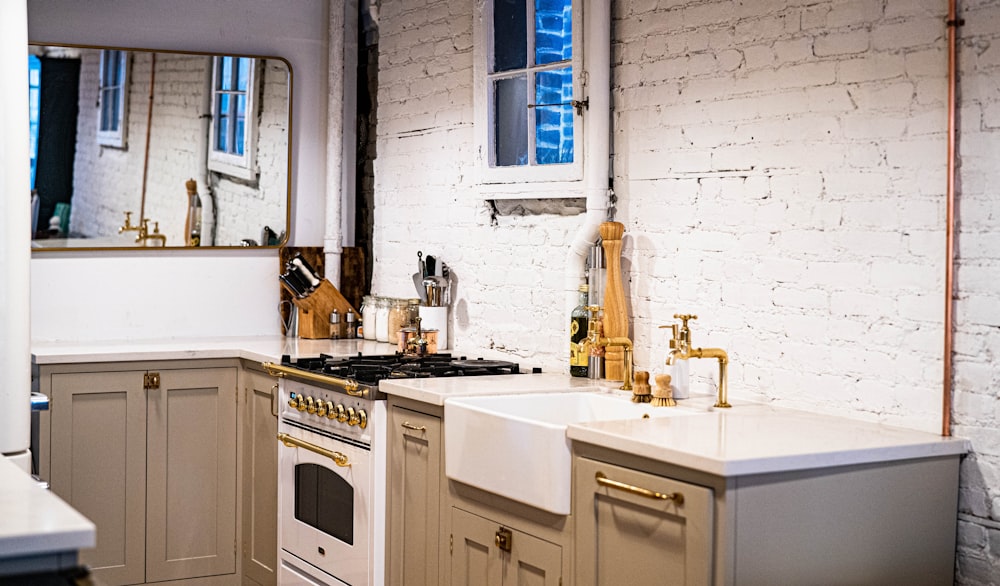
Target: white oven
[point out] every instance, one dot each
(331, 487)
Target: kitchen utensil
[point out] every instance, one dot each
(418, 282)
(615, 314)
(421, 265)
(434, 287)
(431, 266)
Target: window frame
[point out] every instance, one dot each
(559, 179)
(241, 166)
(114, 138)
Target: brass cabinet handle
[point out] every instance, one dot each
(293, 442)
(274, 400)
(411, 427)
(603, 480)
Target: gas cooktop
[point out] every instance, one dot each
(371, 369)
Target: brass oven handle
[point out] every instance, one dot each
(281, 370)
(293, 442)
(411, 427)
(603, 480)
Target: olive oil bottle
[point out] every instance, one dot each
(579, 349)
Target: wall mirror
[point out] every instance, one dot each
(136, 148)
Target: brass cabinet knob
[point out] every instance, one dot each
(341, 413)
(310, 405)
(352, 417)
(362, 419)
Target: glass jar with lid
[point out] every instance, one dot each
(399, 317)
(381, 319)
(368, 317)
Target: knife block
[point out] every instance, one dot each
(315, 310)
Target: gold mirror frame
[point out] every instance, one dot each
(142, 128)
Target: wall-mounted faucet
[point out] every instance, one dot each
(680, 349)
(127, 226)
(145, 235)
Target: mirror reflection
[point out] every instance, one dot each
(138, 148)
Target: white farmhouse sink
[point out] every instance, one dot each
(516, 445)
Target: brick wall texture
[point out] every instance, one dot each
(780, 168)
(108, 181)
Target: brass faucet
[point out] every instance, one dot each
(145, 234)
(596, 340)
(680, 349)
(128, 227)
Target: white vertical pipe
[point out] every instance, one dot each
(15, 234)
(332, 242)
(597, 61)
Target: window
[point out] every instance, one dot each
(112, 99)
(529, 90)
(234, 120)
(34, 104)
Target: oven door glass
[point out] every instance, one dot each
(325, 509)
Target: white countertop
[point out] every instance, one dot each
(434, 391)
(33, 521)
(752, 438)
(257, 348)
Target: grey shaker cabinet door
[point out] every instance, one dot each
(479, 560)
(191, 467)
(260, 479)
(98, 465)
(627, 536)
(414, 498)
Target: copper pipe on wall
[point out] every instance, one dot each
(149, 127)
(949, 273)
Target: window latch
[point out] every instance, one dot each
(580, 106)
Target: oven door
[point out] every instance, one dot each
(324, 503)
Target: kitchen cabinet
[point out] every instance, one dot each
(636, 528)
(414, 477)
(260, 476)
(889, 522)
(148, 452)
(487, 553)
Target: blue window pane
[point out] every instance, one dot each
(510, 35)
(511, 121)
(554, 124)
(244, 73)
(553, 31)
(222, 127)
(225, 79)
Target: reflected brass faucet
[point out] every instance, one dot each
(145, 235)
(595, 339)
(680, 349)
(128, 227)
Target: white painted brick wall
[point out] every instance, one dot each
(108, 181)
(816, 258)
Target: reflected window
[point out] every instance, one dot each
(233, 128)
(530, 80)
(112, 100)
(34, 97)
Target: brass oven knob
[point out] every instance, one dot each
(352, 417)
(301, 405)
(293, 403)
(331, 413)
(310, 405)
(341, 413)
(321, 408)
(362, 419)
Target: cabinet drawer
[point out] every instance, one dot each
(636, 528)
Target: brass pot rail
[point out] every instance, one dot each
(603, 480)
(281, 370)
(294, 442)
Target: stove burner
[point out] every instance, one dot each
(371, 369)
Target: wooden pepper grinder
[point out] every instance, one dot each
(615, 314)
